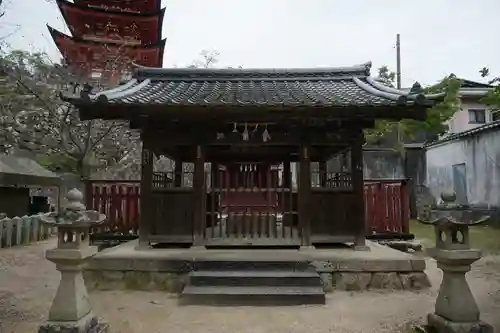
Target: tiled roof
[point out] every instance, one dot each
(24, 171)
(494, 125)
(346, 86)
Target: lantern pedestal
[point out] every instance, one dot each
(436, 323)
(70, 311)
(456, 310)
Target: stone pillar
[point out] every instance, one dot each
(456, 309)
(70, 311)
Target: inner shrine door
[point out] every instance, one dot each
(251, 204)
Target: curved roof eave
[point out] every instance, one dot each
(56, 33)
(474, 92)
(81, 4)
(406, 94)
(61, 3)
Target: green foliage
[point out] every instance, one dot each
(58, 162)
(436, 116)
(386, 76)
(493, 97)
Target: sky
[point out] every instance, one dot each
(438, 37)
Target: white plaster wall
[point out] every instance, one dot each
(440, 158)
(460, 120)
(481, 155)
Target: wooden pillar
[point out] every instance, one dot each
(304, 194)
(199, 199)
(178, 174)
(287, 197)
(146, 186)
(215, 175)
(358, 202)
(287, 175)
(322, 173)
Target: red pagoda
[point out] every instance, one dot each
(109, 35)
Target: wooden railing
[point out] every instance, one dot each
(386, 203)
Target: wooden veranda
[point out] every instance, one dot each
(252, 136)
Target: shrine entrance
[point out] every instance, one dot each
(251, 203)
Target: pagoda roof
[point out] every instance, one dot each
(142, 6)
(172, 88)
(63, 40)
(73, 11)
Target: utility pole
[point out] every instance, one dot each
(398, 62)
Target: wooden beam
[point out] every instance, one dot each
(295, 138)
(146, 186)
(358, 209)
(304, 194)
(322, 173)
(254, 113)
(178, 173)
(199, 196)
(151, 123)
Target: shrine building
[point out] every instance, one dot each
(247, 132)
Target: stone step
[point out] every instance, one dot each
(252, 295)
(255, 278)
(252, 265)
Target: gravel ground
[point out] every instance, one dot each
(28, 283)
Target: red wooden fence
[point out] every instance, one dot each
(119, 200)
(386, 205)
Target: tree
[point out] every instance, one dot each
(386, 76)
(208, 59)
(434, 125)
(34, 119)
(493, 98)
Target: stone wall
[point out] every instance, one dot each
(336, 275)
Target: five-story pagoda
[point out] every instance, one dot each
(109, 35)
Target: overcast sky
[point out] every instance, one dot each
(438, 37)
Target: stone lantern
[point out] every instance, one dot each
(70, 310)
(456, 309)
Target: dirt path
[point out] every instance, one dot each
(28, 284)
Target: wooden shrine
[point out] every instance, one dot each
(253, 136)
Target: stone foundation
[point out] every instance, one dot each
(174, 283)
(124, 267)
(85, 326)
(357, 281)
(135, 280)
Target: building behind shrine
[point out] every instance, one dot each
(108, 36)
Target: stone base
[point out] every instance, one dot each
(360, 247)
(357, 281)
(438, 324)
(197, 248)
(89, 324)
(382, 268)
